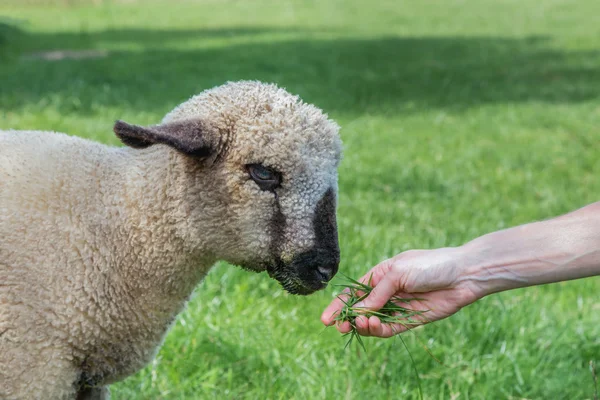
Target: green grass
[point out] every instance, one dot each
(458, 117)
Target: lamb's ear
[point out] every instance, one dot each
(192, 137)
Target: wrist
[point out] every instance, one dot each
(486, 270)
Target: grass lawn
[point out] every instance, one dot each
(458, 117)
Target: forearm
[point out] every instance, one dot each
(563, 248)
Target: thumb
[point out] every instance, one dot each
(387, 287)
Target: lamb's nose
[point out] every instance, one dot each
(327, 271)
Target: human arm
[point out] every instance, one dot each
(447, 279)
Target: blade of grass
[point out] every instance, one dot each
(390, 313)
(414, 365)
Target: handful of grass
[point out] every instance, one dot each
(391, 313)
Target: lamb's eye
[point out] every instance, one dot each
(266, 178)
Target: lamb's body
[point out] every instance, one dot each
(112, 321)
(100, 247)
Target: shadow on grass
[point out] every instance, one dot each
(10, 35)
(347, 75)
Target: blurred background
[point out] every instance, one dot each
(458, 118)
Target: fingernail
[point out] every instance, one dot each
(360, 304)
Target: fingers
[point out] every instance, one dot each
(333, 309)
(344, 327)
(373, 327)
(362, 325)
(331, 312)
(384, 290)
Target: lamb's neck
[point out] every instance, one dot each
(153, 257)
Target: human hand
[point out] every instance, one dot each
(436, 277)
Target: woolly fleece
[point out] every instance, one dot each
(101, 247)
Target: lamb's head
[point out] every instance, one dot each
(262, 167)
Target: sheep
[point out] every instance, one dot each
(101, 247)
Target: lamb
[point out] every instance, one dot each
(101, 247)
